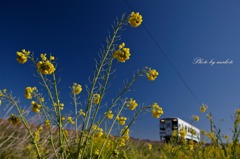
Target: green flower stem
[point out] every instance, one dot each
(111, 127)
(218, 136)
(59, 116)
(101, 96)
(100, 68)
(123, 92)
(76, 115)
(50, 133)
(103, 90)
(129, 125)
(89, 103)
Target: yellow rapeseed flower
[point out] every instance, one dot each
(98, 132)
(121, 46)
(135, 19)
(211, 136)
(52, 58)
(122, 54)
(152, 74)
(156, 110)
(121, 120)
(14, 119)
(35, 107)
(45, 67)
(76, 88)
(109, 114)
(182, 132)
(132, 104)
(196, 118)
(66, 133)
(42, 100)
(81, 112)
(203, 108)
(126, 131)
(37, 135)
(47, 123)
(94, 127)
(96, 98)
(43, 57)
(69, 119)
(96, 152)
(115, 153)
(149, 146)
(29, 91)
(122, 142)
(203, 132)
(22, 56)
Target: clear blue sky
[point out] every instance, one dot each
(74, 31)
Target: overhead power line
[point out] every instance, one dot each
(167, 58)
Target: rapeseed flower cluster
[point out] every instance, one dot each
(96, 152)
(122, 54)
(126, 131)
(37, 134)
(132, 104)
(121, 120)
(203, 108)
(14, 119)
(151, 74)
(45, 66)
(76, 88)
(69, 119)
(195, 118)
(182, 132)
(135, 19)
(60, 105)
(35, 107)
(81, 112)
(122, 142)
(192, 131)
(149, 146)
(156, 110)
(96, 98)
(47, 123)
(22, 56)
(29, 91)
(109, 114)
(98, 132)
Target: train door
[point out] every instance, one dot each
(168, 124)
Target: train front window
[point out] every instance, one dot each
(162, 125)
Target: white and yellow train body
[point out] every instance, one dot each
(168, 125)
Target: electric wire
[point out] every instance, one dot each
(167, 59)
